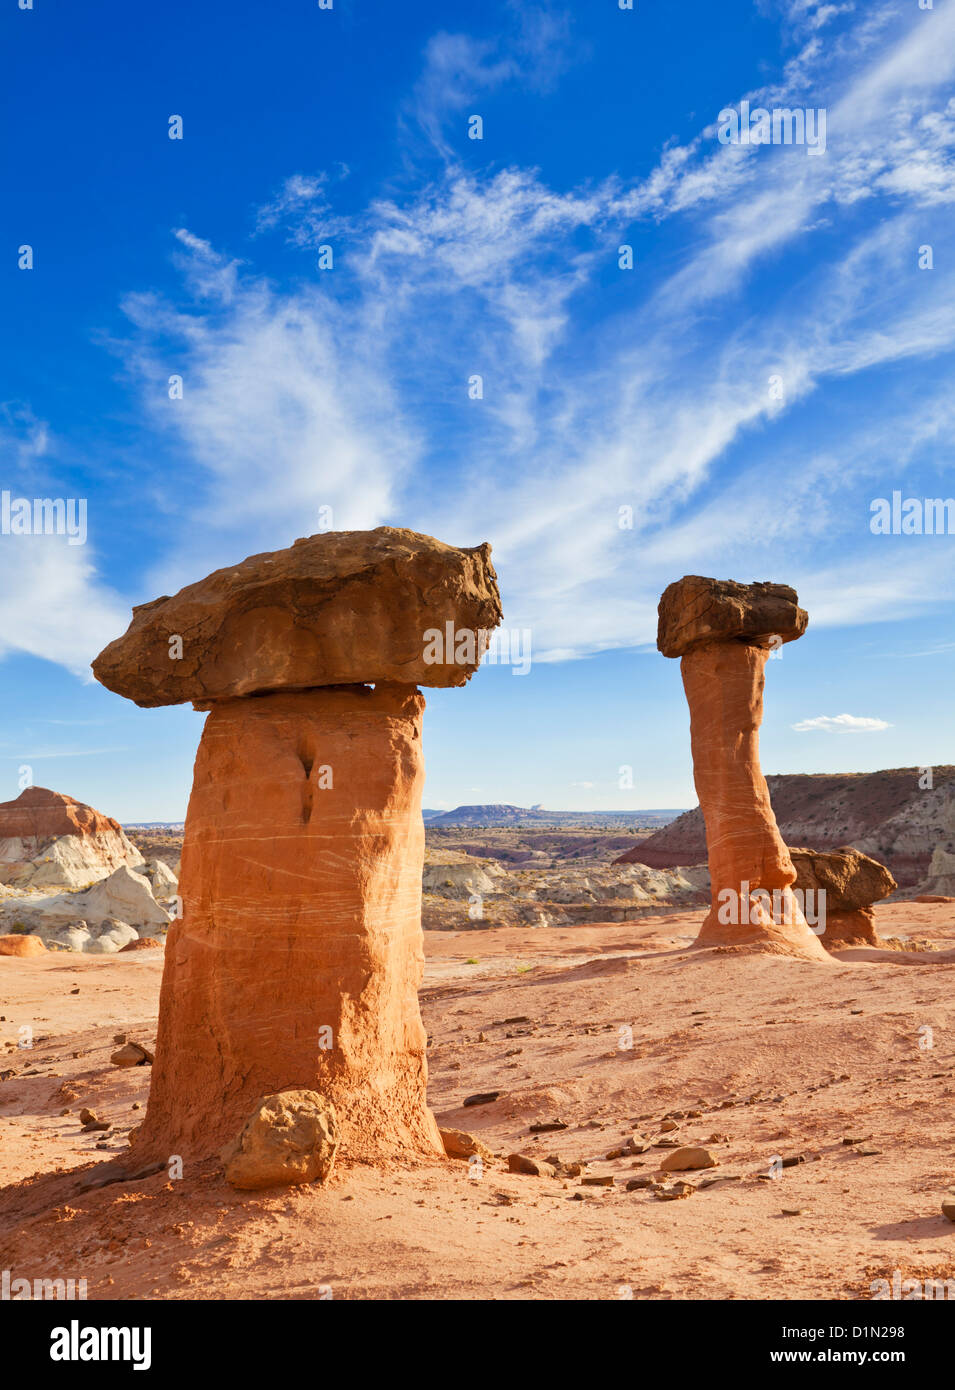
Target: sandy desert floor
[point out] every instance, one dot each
(781, 1057)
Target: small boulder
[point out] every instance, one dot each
(459, 1144)
(689, 1157)
(72, 938)
(674, 1193)
(290, 1137)
(131, 1055)
(102, 946)
(21, 945)
(532, 1167)
(142, 943)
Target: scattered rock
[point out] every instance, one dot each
(459, 1144)
(545, 1126)
(482, 1098)
(674, 1193)
(690, 1157)
(131, 1055)
(532, 1167)
(290, 1137)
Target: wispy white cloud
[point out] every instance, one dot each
(841, 724)
(352, 394)
(53, 603)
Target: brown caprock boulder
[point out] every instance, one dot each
(724, 633)
(296, 963)
(336, 609)
(843, 885)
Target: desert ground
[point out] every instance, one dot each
(752, 1055)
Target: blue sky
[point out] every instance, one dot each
(604, 388)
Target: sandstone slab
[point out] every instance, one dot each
(343, 608)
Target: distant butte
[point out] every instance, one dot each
(41, 814)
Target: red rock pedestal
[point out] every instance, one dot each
(297, 961)
(724, 689)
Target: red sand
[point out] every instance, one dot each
(829, 1051)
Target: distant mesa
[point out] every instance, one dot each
(502, 814)
(41, 814)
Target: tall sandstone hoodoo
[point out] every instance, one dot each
(297, 960)
(724, 632)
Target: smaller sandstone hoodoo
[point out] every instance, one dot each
(296, 963)
(852, 882)
(724, 632)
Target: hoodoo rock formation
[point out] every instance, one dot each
(723, 632)
(296, 963)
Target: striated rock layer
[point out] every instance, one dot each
(341, 608)
(298, 957)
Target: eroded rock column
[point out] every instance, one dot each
(724, 632)
(296, 963)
